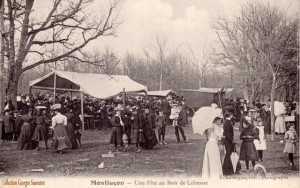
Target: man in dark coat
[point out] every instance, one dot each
(137, 128)
(117, 128)
(126, 116)
(228, 142)
(266, 116)
(166, 108)
(148, 120)
(181, 122)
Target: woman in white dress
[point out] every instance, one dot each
(212, 165)
(280, 125)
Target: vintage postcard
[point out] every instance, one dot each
(149, 93)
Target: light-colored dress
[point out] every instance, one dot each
(59, 124)
(260, 144)
(280, 124)
(290, 141)
(212, 166)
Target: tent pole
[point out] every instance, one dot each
(54, 84)
(220, 103)
(82, 114)
(124, 98)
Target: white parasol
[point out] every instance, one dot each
(204, 117)
(234, 157)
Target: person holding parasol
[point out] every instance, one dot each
(208, 120)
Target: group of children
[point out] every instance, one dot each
(254, 142)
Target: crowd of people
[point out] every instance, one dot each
(253, 124)
(139, 121)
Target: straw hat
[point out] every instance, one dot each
(119, 108)
(40, 107)
(214, 105)
(56, 107)
(252, 110)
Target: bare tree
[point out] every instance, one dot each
(161, 47)
(261, 41)
(67, 27)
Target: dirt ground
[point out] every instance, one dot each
(183, 159)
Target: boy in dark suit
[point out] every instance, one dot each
(228, 142)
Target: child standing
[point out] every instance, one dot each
(248, 151)
(290, 144)
(161, 124)
(260, 143)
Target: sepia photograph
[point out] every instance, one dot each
(149, 93)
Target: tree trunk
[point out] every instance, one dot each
(161, 78)
(1, 56)
(252, 96)
(12, 87)
(273, 90)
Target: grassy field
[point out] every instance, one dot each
(183, 159)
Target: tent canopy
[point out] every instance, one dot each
(210, 90)
(196, 98)
(97, 85)
(162, 93)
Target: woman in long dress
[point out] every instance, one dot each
(60, 135)
(41, 131)
(280, 125)
(149, 135)
(25, 141)
(71, 128)
(248, 151)
(212, 165)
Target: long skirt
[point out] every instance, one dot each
(289, 147)
(8, 126)
(227, 164)
(40, 133)
(280, 125)
(116, 136)
(25, 139)
(71, 134)
(260, 144)
(134, 136)
(1, 129)
(248, 151)
(267, 124)
(18, 126)
(150, 139)
(212, 166)
(60, 136)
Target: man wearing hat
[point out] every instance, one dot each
(117, 126)
(228, 142)
(137, 127)
(59, 124)
(41, 130)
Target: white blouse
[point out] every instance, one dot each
(59, 119)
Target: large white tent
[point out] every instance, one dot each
(101, 86)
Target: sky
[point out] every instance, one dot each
(184, 25)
